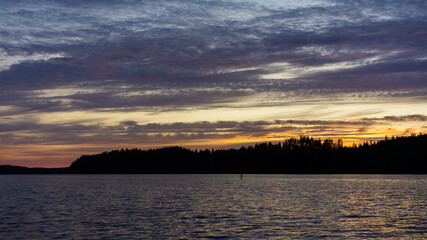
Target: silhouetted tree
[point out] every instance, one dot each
(293, 155)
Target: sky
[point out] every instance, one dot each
(84, 77)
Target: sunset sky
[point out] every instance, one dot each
(83, 77)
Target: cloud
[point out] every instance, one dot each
(192, 34)
(406, 118)
(156, 56)
(30, 132)
(39, 74)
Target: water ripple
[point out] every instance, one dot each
(212, 206)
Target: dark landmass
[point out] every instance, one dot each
(304, 155)
(8, 169)
(400, 155)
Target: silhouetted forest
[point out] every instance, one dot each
(294, 155)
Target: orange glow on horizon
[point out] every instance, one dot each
(33, 155)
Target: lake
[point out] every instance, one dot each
(213, 206)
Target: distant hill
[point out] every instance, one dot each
(294, 155)
(8, 169)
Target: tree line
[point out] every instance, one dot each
(406, 154)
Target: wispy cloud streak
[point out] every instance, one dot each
(184, 57)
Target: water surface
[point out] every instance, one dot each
(213, 206)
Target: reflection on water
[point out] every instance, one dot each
(212, 206)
